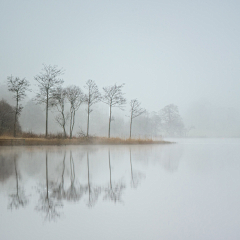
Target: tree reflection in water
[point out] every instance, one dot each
(93, 192)
(47, 204)
(73, 193)
(19, 198)
(53, 194)
(115, 190)
(136, 177)
(58, 191)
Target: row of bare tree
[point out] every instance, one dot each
(52, 94)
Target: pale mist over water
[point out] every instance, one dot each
(188, 190)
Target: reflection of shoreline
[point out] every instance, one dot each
(77, 141)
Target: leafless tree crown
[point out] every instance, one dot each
(135, 108)
(60, 96)
(113, 96)
(93, 94)
(48, 80)
(135, 111)
(76, 97)
(18, 87)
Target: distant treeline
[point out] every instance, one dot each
(66, 101)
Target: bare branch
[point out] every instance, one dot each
(18, 87)
(76, 97)
(93, 96)
(113, 97)
(48, 81)
(59, 100)
(135, 111)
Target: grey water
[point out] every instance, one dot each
(187, 190)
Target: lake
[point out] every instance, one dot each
(187, 190)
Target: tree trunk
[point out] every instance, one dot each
(46, 134)
(72, 122)
(131, 127)
(88, 120)
(64, 123)
(110, 119)
(71, 125)
(64, 131)
(15, 120)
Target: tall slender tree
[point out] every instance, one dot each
(76, 97)
(60, 96)
(93, 96)
(135, 111)
(113, 97)
(18, 87)
(48, 80)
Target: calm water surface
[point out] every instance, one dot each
(189, 190)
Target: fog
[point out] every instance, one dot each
(166, 52)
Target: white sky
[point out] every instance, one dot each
(164, 51)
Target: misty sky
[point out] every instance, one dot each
(164, 51)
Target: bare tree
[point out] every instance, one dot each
(60, 95)
(113, 97)
(93, 96)
(172, 121)
(135, 111)
(18, 87)
(76, 97)
(48, 80)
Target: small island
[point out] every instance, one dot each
(41, 141)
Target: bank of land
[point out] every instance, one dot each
(9, 141)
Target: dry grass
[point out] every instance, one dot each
(34, 140)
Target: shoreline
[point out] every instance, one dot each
(9, 141)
